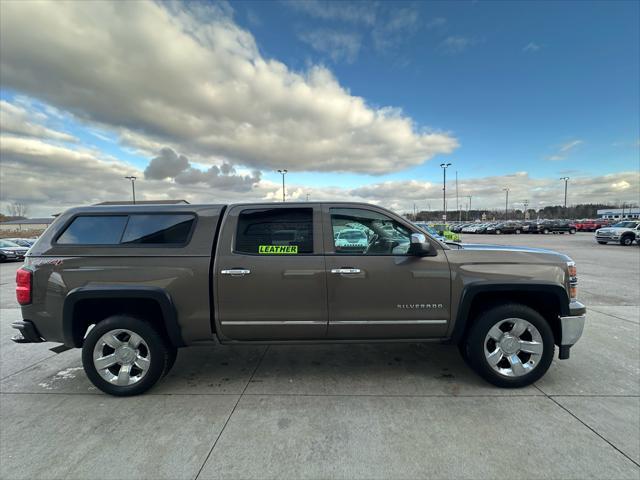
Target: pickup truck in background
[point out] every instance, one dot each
(132, 284)
(624, 233)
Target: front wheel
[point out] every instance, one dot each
(545, 231)
(510, 346)
(626, 241)
(572, 231)
(124, 355)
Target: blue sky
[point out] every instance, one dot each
(511, 106)
(358, 100)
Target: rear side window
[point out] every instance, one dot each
(158, 229)
(150, 229)
(275, 231)
(94, 230)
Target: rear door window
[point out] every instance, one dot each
(275, 231)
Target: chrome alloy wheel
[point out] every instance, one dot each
(121, 357)
(513, 347)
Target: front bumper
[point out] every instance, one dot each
(571, 327)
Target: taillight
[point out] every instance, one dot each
(573, 280)
(23, 286)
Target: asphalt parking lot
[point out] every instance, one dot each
(341, 411)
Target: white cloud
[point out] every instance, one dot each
(531, 47)
(455, 44)
(396, 27)
(49, 178)
(196, 82)
(564, 150)
(352, 12)
(339, 46)
(437, 22)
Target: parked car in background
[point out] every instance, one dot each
(351, 238)
(553, 226)
(23, 242)
(11, 251)
(623, 232)
(431, 231)
(505, 227)
(590, 225)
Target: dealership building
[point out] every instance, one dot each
(620, 213)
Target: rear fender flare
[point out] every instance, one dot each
(160, 296)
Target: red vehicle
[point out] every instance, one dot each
(591, 225)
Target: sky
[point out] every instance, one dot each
(361, 101)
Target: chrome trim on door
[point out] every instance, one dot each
(274, 322)
(236, 272)
(346, 271)
(387, 322)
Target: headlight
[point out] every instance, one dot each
(7, 252)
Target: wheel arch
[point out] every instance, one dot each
(550, 300)
(152, 303)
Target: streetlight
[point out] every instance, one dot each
(283, 172)
(469, 208)
(506, 203)
(566, 180)
(133, 186)
(444, 190)
(526, 205)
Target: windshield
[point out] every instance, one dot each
(626, 225)
(7, 243)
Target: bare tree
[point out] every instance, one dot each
(17, 209)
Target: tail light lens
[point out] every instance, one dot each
(23, 286)
(573, 280)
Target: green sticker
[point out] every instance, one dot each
(278, 249)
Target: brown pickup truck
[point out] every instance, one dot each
(131, 284)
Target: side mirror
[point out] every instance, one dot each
(420, 247)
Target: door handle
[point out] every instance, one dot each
(236, 272)
(346, 271)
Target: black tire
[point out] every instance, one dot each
(626, 240)
(518, 232)
(602, 243)
(3, 258)
(159, 354)
(498, 232)
(545, 231)
(572, 231)
(476, 337)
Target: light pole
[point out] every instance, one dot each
(133, 186)
(506, 204)
(444, 190)
(469, 209)
(526, 205)
(283, 172)
(457, 200)
(307, 197)
(566, 180)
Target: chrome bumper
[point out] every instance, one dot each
(572, 328)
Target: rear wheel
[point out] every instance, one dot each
(3, 258)
(124, 355)
(498, 232)
(518, 232)
(510, 346)
(545, 231)
(572, 231)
